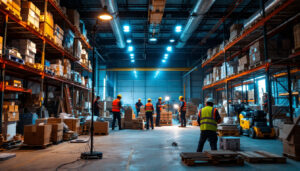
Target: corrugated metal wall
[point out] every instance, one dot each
(193, 85)
(145, 85)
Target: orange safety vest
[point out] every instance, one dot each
(149, 107)
(184, 106)
(116, 105)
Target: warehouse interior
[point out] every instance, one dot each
(225, 69)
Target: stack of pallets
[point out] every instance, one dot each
(261, 157)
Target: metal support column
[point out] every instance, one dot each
(226, 72)
(268, 79)
(242, 91)
(290, 93)
(2, 69)
(203, 97)
(255, 90)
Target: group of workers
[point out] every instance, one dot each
(208, 118)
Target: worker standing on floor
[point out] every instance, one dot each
(182, 110)
(208, 119)
(116, 109)
(138, 106)
(96, 106)
(149, 113)
(159, 105)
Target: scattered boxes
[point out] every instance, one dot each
(37, 135)
(57, 129)
(31, 14)
(230, 143)
(26, 48)
(129, 114)
(10, 112)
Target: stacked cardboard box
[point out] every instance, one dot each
(15, 6)
(57, 129)
(129, 114)
(101, 128)
(194, 123)
(84, 58)
(68, 40)
(58, 35)
(74, 17)
(31, 14)
(73, 124)
(26, 48)
(9, 130)
(134, 124)
(37, 135)
(47, 24)
(230, 143)
(166, 117)
(77, 48)
(83, 29)
(57, 66)
(297, 36)
(256, 52)
(250, 94)
(235, 31)
(10, 112)
(243, 63)
(191, 109)
(67, 69)
(291, 139)
(209, 53)
(216, 74)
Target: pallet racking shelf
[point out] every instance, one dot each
(15, 89)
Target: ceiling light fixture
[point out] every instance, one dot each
(172, 40)
(169, 48)
(128, 41)
(130, 48)
(178, 29)
(153, 39)
(126, 28)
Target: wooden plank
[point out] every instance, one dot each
(268, 154)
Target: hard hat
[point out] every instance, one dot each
(119, 95)
(159, 98)
(180, 97)
(139, 98)
(210, 100)
(149, 99)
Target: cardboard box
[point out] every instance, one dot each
(57, 132)
(230, 143)
(297, 36)
(38, 135)
(101, 127)
(73, 124)
(74, 17)
(291, 149)
(54, 120)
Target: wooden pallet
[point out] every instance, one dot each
(297, 158)
(234, 133)
(257, 64)
(33, 26)
(14, 13)
(49, 37)
(36, 146)
(97, 133)
(261, 157)
(208, 158)
(11, 144)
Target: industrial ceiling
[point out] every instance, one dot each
(200, 20)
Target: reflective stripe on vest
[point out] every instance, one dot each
(149, 107)
(207, 119)
(184, 106)
(116, 105)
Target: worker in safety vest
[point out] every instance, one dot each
(116, 109)
(138, 106)
(182, 110)
(208, 119)
(149, 112)
(159, 106)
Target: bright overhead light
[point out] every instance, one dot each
(126, 28)
(165, 57)
(163, 60)
(178, 29)
(153, 39)
(131, 54)
(132, 60)
(128, 41)
(130, 48)
(135, 74)
(169, 48)
(167, 98)
(105, 15)
(172, 40)
(176, 106)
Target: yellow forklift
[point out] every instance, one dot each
(254, 124)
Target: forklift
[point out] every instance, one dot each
(253, 123)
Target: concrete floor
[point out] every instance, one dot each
(137, 150)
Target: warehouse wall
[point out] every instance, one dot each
(193, 85)
(145, 85)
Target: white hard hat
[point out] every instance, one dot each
(211, 100)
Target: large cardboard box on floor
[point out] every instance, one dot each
(73, 124)
(291, 138)
(57, 132)
(101, 128)
(38, 135)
